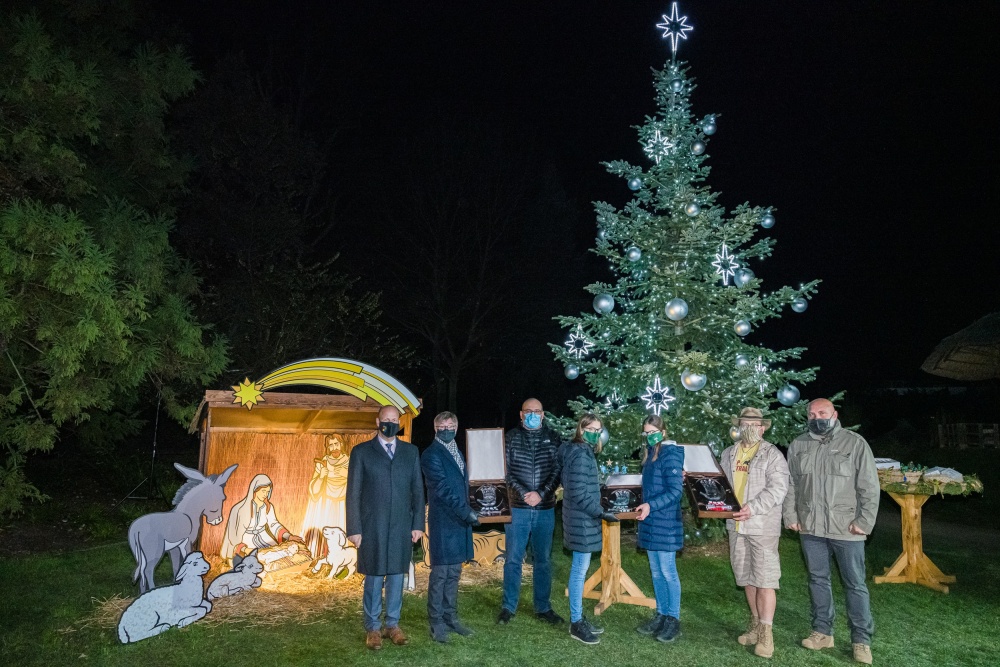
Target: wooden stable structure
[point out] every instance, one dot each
(283, 437)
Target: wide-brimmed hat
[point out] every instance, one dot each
(752, 413)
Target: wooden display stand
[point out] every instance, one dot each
(913, 566)
(615, 584)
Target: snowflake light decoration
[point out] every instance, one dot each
(725, 264)
(674, 27)
(579, 346)
(657, 397)
(657, 145)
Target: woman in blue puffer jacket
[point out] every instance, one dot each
(661, 530)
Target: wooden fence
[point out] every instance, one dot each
(969, 436)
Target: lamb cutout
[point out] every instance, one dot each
(341, 554)
(159, 609)
(243, 577)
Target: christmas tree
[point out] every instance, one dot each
(673, 333)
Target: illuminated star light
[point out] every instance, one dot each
(578, 345)
(614, 402)
(725, 264)
(674, 27)
(658, 145)
(760, 374)
(657, 398)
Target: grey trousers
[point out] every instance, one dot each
(850, 557)
(442, 593)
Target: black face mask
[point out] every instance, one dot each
(388, 429)
(446, 435)
(820, 426)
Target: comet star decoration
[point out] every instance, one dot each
(578, 345)
(674, 27)
(725, 264)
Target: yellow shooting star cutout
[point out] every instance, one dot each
(247, 393)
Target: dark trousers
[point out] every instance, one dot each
(442, 593)
(850, 557)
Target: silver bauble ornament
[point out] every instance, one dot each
(601, 234)
(605, 437)
(799, 305)
(734, 432)
(604, 303)
(742, 276)
(676, 309)
(572, 372)
(742, 328)
(767, 221)
(692, 209)
(788, 395)
(677, 85)
(698, 147)
(742, 361)
(634, 184)
(693, 381)
(708, 127)
(633, 254)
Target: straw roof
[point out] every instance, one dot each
(971, 354)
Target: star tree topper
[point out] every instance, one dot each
(657, 398)
(674, 27)
(725, 264)
(578, 345)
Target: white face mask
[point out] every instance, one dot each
(750, 433)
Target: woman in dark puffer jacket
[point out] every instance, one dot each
(661, 531)
(582, 514)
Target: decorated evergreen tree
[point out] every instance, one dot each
(673, 332)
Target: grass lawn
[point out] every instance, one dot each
(915, 626)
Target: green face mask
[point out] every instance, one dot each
(653, 439)
(591, 438)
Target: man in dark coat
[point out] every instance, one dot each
(532, 451)
(385, 516)
(449, 526)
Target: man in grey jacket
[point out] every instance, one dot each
(759, 476)
(833, 501)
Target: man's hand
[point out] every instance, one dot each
(743, 514)
(355, 540)
(855, 530)
(415, 535)
(642, 511)
(795, 526)
(532, 498)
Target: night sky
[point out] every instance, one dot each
(869, 127)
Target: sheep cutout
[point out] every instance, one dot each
(341, 554)
(243, 577)
(159, 609)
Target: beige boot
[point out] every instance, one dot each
(818, 640)
(765, 641)
(749, 638)
(862, 653)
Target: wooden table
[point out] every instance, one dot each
(913, 566)
(615, 584)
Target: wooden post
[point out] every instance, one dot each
(615, 584)
(913, 566)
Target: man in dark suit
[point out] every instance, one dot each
(385, 516)
(449, 526)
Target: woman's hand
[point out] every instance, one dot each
(642, 511)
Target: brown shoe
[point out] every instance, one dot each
(862, 653)
(373, 640)
(765, 641)
(395, 635)
(817, 641)
(749, 638)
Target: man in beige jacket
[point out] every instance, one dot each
(832, 501)
(759, 476)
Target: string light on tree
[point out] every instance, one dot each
(725, 264)
(657, 397)
(674, 27)
(578, 344)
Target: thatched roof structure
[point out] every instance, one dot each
(971, 354)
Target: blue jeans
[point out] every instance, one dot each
(666, 583)
(393, 584)
(536, 525)
(850, 555)
(577, 577)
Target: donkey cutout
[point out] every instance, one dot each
(176, 531)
